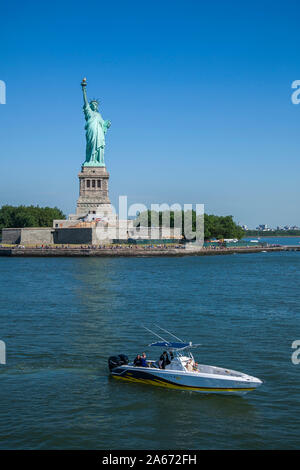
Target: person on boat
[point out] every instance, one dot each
(189, 366)
(138, 361)
(164, 360)
(143, 360)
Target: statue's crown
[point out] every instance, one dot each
(94, 101)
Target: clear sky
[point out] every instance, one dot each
(198, 92)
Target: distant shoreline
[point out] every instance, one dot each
(272, 236)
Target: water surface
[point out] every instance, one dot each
(62, 318)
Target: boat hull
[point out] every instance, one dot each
(195, 382)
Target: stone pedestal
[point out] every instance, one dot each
(93, 205)
(93, 192)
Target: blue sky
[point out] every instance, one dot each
(199, 95)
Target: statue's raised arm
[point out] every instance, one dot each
(83, 85)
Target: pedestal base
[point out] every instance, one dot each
(93, 192)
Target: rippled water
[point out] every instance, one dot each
(62, 318)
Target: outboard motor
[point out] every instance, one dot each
(115, 361)
(124, 358)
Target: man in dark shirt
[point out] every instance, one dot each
(138, 361)
(164, 360)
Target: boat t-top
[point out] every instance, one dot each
(180, 371)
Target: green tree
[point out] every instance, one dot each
(214, 226)
(28, 216)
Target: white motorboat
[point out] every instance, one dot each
(182, 372)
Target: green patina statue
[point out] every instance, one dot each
(96, 129)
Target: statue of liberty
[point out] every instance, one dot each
(96, 129)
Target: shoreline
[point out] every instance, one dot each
(135, 252)
(273, 236)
